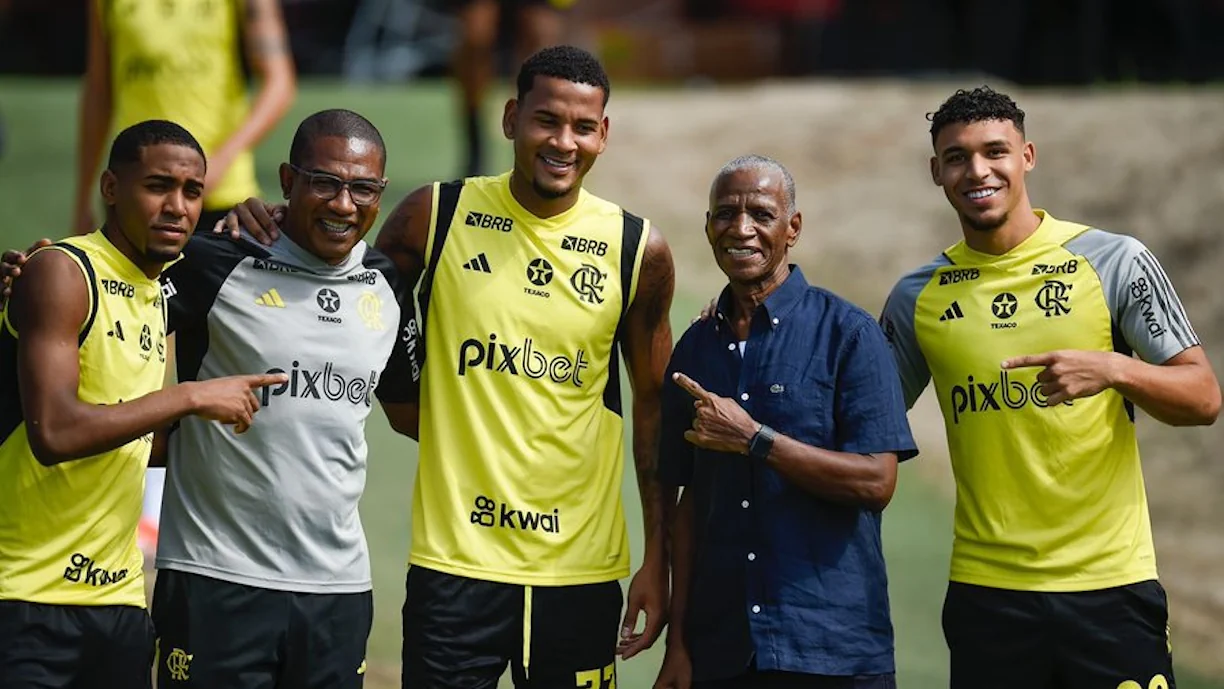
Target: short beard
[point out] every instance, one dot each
(984, 226)
(549, 194)
(161, 256)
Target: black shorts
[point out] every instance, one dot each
(214, 633)
(1029, 640)
(74, 646)
(795, 680)
(461, 632)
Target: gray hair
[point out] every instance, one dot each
(764, 164)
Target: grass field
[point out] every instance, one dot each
(36, 176)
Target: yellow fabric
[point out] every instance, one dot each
(179, 60)
(1089, 527)
(68, 532)
(520, 460)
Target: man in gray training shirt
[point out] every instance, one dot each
(264, 574)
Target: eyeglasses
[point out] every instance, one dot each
(327, 186)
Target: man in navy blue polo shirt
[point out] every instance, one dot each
(783, 420)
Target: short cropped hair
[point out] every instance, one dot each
(130, 142)
(563, 62)
(981, 104)
(760, 162)
(337, 122)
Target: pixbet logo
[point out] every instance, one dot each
(489, 513)
(503, 358)
(327, 383)
(976, 396)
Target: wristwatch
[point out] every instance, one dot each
(761, 443)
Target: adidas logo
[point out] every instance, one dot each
(479, 264)
(271, 298)
(952, 313)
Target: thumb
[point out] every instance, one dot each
(632, 610)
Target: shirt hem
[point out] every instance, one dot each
(1055, 585)
(262, 583)
(518, 578)
(140, 604)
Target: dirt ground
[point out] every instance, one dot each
(1147, 163)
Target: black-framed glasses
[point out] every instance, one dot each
(328, 186)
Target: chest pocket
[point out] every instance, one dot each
(794, 403)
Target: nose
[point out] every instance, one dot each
(564, 140)
(175, 204)
(979, 168)
(742, 225)
(343, 203)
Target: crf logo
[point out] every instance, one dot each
(1052, 298)
(584, 246)
(951, 277)
(489, 513)
(503, 358)
(488, 221)
(589, 283)
(976, 396)
(83, 569)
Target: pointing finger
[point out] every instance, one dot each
(263, 380)
(1029, 360)
(690, 386)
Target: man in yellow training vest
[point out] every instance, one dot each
(181, 60)
(1028, 327)
(82, 359)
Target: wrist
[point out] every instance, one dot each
(1118, 374)
(761, 445)
(756, 428)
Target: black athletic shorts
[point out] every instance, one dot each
(1006, 639)
(794, 680)
(214, 633)
(461, 633)
(74, 646)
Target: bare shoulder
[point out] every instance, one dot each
(51, 289)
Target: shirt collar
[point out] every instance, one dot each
(777, 305)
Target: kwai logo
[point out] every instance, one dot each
(503, 358)
(490, 513)
(974, 396)
(319, 384)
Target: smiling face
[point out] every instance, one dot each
(155, 203)
(749, 226)
(558, 129)
(330, 227)
(981, 167)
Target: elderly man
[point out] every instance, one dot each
(783, 419)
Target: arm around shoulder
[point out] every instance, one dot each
(404, 235)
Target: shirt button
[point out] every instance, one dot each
(775, 321)
(731, 347)
(744, 396)
(756, 608)
(744, 504)
(751, 557)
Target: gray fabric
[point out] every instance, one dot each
(277, 507)
(1143, 305)
(897, 321)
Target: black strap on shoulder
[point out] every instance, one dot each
(448, 201)
(632, 230)
(90, 277)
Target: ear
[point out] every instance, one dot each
(936, 177)
(603, 135)
(1030, 156)
(286, 179)
(108, 185)
(509, 119)
(793, 230)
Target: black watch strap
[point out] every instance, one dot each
(761, 443)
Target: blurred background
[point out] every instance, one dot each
(1124, 103)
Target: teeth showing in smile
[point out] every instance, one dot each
(335, 227)
(556, 163)
(982, 193)
(739, 252)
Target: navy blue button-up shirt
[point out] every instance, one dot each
(779, 573)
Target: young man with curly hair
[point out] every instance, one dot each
(1029, 327)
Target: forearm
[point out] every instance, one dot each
(1179, 395)
(95, 119)
(653, 494)
(680, 527)
(83, 430)
(275, 95)
(844, 477)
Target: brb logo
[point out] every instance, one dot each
(327, 383)
(975, 396)
(584, 246)
(489, 513)
(503, 358)
(488, 221)
(957, 275)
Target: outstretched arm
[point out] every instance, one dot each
(94, 121)
(648, 345)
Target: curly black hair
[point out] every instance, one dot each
(128, 143)
(563, 62)
(336, 122)
(980, 104)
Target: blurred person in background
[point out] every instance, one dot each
(1028, 326)
(182, 61)
(536, 24)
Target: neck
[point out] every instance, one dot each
(747, 296)
(1021, 223)
(527, 197)
(143, 264)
